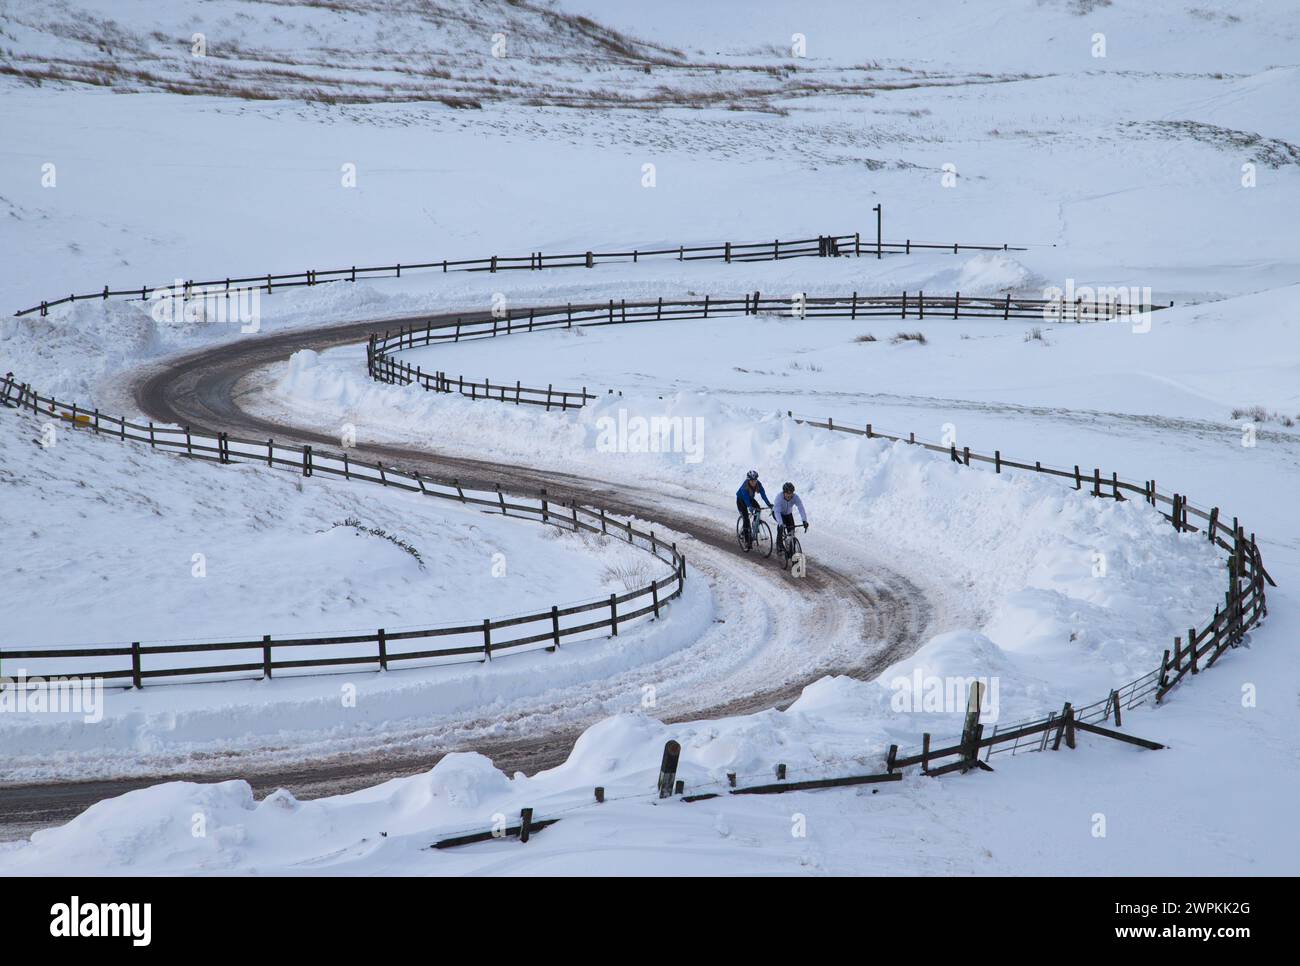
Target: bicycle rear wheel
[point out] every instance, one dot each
(763, 538)
(740, 534)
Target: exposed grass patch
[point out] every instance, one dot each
(632, 574)
(917, 337)
(383, 534)
(1258, 414)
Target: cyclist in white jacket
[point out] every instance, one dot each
(784, 507)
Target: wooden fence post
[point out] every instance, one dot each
(266, 657)
(135, 665)
(1065, 728)
(383, 651)
(974, 698)
(487, 639)
(668, 768)
(613, 613)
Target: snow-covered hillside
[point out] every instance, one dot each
(1148, 145)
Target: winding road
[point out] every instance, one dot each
(883, 613)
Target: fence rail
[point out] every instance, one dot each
(479, 641)
(384, 366)
(822, 246)
(1242, 606)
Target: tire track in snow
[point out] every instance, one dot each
(842, 622)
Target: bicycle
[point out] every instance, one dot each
(788, 546)
(760, 533)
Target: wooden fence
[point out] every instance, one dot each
(822, 246)
(480, 641)
(384, 366)
(1242, 606)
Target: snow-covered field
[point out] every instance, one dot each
(1169, 163)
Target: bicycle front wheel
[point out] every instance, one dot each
(763, 538)
(740, 534)
(792, 550)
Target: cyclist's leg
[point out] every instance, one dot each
(744, 515)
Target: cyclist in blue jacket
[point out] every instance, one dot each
(746, 502)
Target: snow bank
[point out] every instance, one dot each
(220, 828)
(1069, 595)
(185, 549)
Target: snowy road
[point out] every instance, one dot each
(766, 644)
